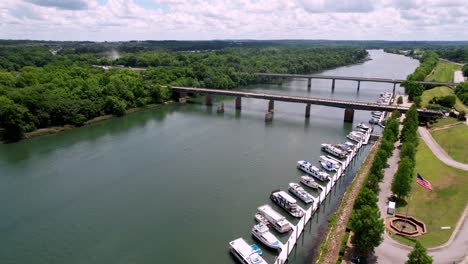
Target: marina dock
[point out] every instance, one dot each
(299, 228)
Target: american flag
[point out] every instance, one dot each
(424, 183)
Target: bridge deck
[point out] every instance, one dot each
(304, 100)
(349, 78)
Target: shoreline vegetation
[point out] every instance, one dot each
(330, 247)
(54, 130)
(39, 90)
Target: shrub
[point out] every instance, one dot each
(400, 100)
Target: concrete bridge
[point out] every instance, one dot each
(349, 106)
(309, 77)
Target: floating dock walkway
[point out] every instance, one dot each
(299, 228)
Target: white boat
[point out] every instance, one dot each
(261, 219)
(298, 191)
(262, 233)
(329, 164)
(334, 150)
(374, 121)
(276, 220)
(376, 112)
(345, 147)
(351, 145)
(287, 202)
(315, 172)
(363, 126)
(244, 252)
(310, 182)
(354, 137)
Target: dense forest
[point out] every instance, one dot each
(43, 86)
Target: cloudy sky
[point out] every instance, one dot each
(111, 20)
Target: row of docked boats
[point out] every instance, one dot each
(384, 99)
(267, 218)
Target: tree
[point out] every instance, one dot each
(408, 150)
(365, 197)
(417, 101)
(12, 119)
(367, 227)
(401, 184)
(419, 255)
(400, 100)
(114, 106)
(465, 70)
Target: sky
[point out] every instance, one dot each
(115, 20)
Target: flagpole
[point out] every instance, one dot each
(407, 207)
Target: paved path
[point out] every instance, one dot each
(439, 151)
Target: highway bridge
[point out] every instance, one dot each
(309, 77)
(349, 106)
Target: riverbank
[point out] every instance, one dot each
(330, 247)
(54, 130)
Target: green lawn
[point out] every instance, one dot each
(442, 206)
(445, 121)
(441, 91)
(454, 140)
(443, 72)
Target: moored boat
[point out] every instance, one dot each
(298, 191)
(329, 164)
(334, 150)
(261, 219)
(363, 126)
(315, 172)
(262, 233)
(276, 220)
(245, 253)
(309, 181)
(287, 202)
(354, 137)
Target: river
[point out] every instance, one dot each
(177, 183)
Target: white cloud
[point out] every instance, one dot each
(236, 19)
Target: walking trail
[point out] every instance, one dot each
(439, 151)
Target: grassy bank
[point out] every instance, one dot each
(441, 91)
(54, 130)
(443, 72)
(442, 122)
(330, 246)
(440, 207)
(454, 140)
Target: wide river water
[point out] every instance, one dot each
(177, 183)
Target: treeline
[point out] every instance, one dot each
(13, 58)
(462, 92)
(365, 221)
(428, 63)
(69, 93)
(457, 54)
(403, 179)
(65, 89)
(415, 90)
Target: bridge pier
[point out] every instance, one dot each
(238, 103)
(309, 84)
(182, 97)
(307, 111)
(349, 115)
(269, 117)
(394, 89)
(333, 85)
(209, 100)
(271, 106)
(358, 85)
